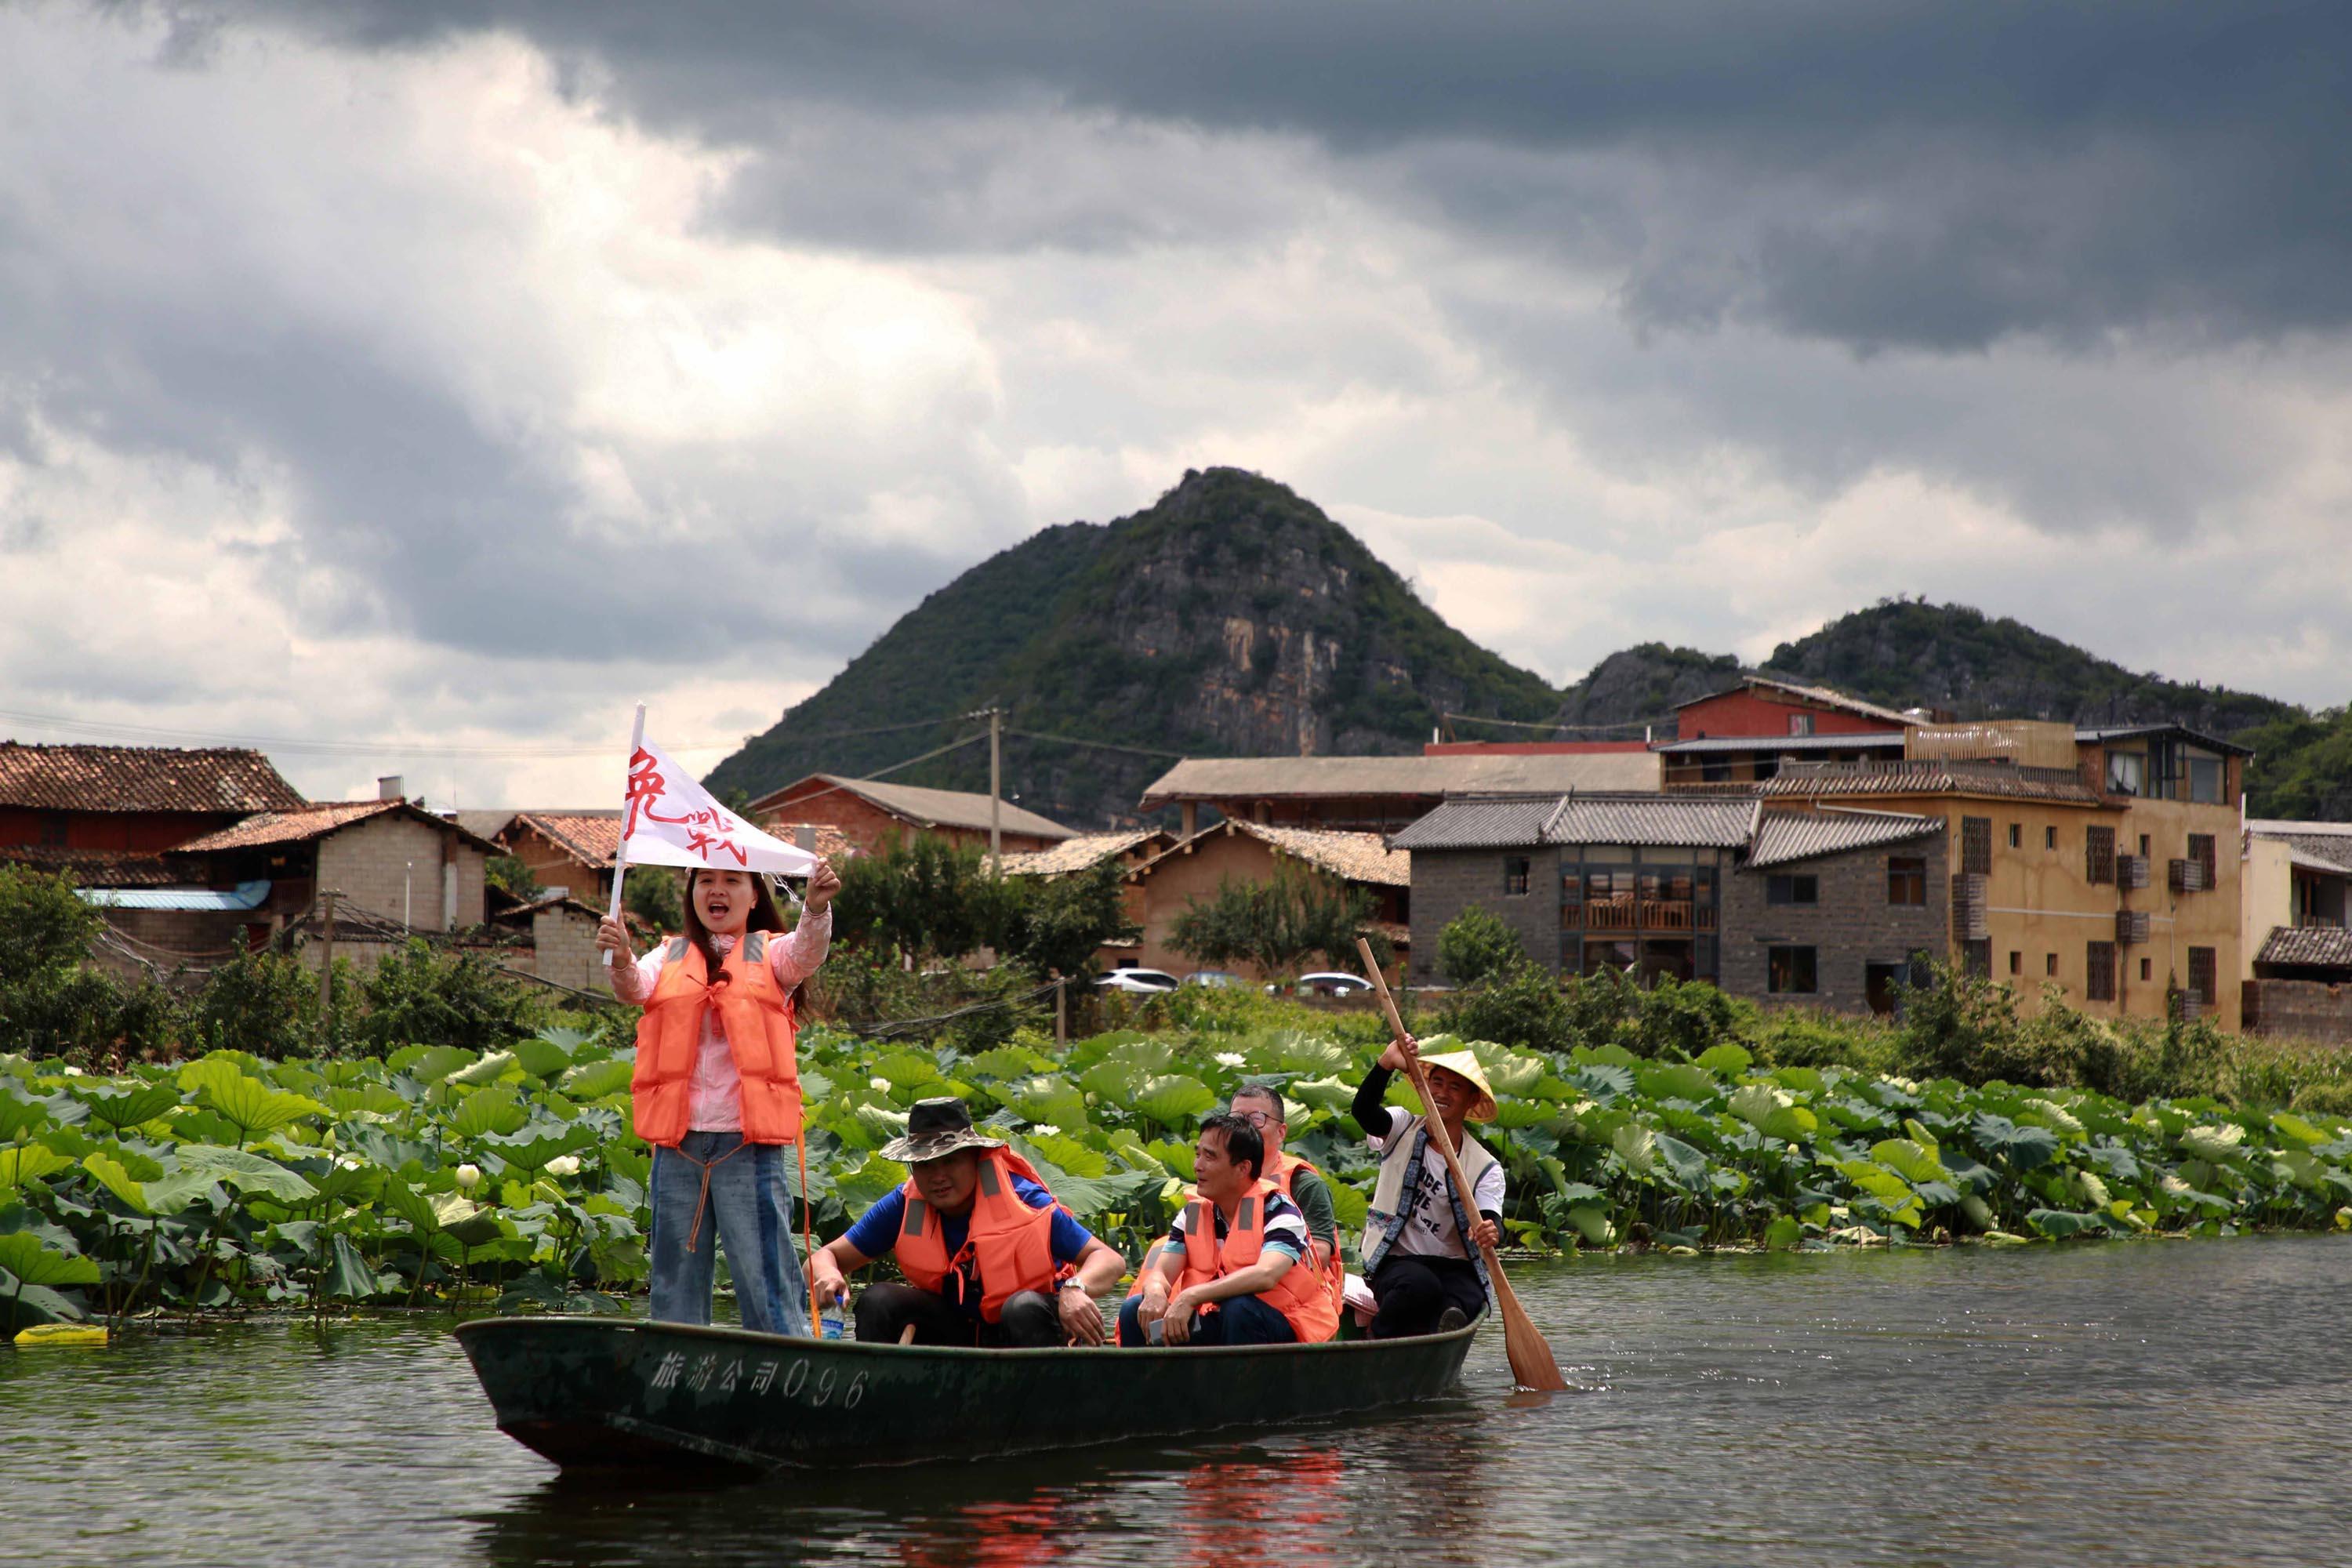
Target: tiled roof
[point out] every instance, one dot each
(1881, 741)
(2316, 846)
(140, 778)
(826, 840)
(1079, 853)
(1697, 821)
(1821, 695)
(95, 868)
(1928, 778)
(914, 803)
(591, 837)
(1241, 778)
(1784, 836)
(1352, 856)
(2328, 946)
(312, 822)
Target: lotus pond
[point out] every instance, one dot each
(440, 1175)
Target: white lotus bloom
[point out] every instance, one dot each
(73, 1072)
(563, 1165)
(879, 1085)
(347, 1163)
(469, 1176)
(1043, 1130)
(1231, 1058)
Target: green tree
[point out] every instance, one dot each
(654, 894)
(510, 876)
(265, 1003)
(925, 895)
(44, 924)
(1477, 943)
(415, 993)
(1064, 921)
(1280, 923)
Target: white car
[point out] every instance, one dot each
(1218, 979)
(1326, 983)
(1141, 982)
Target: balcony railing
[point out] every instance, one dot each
(1630, 914)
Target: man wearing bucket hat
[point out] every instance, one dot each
(990, 1257)
(1421, 1246)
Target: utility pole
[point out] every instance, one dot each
(995, 791)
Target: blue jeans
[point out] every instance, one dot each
(748, 1211)
(1238, 1321)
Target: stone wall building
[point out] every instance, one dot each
(1829, 910)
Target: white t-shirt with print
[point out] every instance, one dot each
(1426, 1224)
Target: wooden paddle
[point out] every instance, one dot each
(1532, 1366)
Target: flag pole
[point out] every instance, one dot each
(621, 848)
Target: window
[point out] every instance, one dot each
(1792, 890)
(2127, 773)
(55, 829)
(1515, 876)
(2050, 963)
(2016, 836)
(2098, 855)
(1976, 845)
(2205, 780)
(2016, 960)
(1800, 723)
(1789, 971)
(2050, 837)
(2202, 974)
(1601, 953)
(1907, 880)
(2143, 846)
(2201, 849)
(2147, 969)
(1882, 985)
(1715, 770)
(2099, 970)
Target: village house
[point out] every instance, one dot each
(2104, 877)
(105, 813)
(870, 815)
(2295, 890)
(1385, 794)
(1743, 735)
(572, 850)
(1819, 910)
(1193, 869)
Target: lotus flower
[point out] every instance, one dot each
(469, 1176)
(563, 1165)
(1043, 1130)
(1231, 1058)
(878, 1085)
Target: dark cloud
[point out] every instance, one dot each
(1877, 174)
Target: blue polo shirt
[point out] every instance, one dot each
(876, 1234)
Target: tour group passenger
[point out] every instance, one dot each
(1260, 1105)
(990, 1257)
(717, 1090)
(1414, 1255)
(1231, 1270)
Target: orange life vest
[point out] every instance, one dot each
(1011, 1243)
(1280, 1167)
(756, 1016)
(1300, 1295)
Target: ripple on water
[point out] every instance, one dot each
(2102, 1405)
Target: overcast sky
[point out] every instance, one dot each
(454, 374)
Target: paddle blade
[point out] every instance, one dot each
(1532, 1366)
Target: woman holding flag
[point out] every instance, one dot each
(716, 1086)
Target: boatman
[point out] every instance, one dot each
(990, 1257)
(1414, 1257)
(1231, 1270)
(1260, 1105)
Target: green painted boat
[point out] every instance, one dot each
(595, 1392)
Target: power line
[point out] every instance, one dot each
(1096, 745)
(1554, 728)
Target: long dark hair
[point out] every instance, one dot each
(764, 916)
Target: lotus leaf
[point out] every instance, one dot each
(2025, 1147)
(1980, 1213)
(2297, 1127)
(1637, 1146)
(532, 1147)
(1755, 1103)
(2297, 1165)
(1676, 1080)
(1513, 1073)
(1791, 1124)
(1592, 1222)
(489, 1110)
(19, 1115)
(2211, 1140)
(1512, 1113)
(1908, 1158)
(1299, 1052)
(1351, 1209)
(1173, 1099)
(2094, 1191)
(907, 1069)
(1604, 1081)
(246, 1172)
(1067, 1153)
(1804, 1081)
(2053, 1115)
(2060, 1224)
(595, 1080)
(22, 1162)
(1323, 1094)
(490, 1070)
(131, 1105)
(252, 1106)
(1007, 1062)
(1725, 1060)
(1783, 1233)
(543, 1058)
(23, 1256)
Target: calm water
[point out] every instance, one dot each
(2152, 1403)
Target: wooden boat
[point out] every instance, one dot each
(599, 1393)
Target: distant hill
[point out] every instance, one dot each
(1231, 617)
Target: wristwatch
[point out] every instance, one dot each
(1078, 1284)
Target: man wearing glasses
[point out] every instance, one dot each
(1260, 1105)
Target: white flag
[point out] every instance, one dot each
(672, 821)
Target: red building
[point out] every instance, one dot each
(1744, 735)
(104, 811)
(870, 813)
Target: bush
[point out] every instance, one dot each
(1062, 922)
(86, 1017)
(444, 999)
(1280, 924)
(265, 1003)
(1950, 1023)
(44, 924)
(1476, 945)
(1523, 1008)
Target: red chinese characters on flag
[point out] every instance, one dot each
(671, 820)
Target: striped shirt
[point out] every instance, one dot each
(1285, 1227)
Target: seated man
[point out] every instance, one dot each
(1415, 1260)
(990, 1257)
(1260, 1105)
(1229, 1273)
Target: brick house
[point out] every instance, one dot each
(1192, 868)
(573, 851)
(1746, 733)
(869, 815)
(1762, 904)
(1384, 794)
(103, 813)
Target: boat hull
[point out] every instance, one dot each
(591, 1392)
